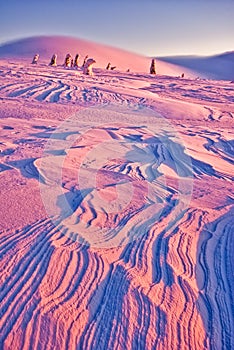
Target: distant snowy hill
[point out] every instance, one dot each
(216, 67)
(48, 45)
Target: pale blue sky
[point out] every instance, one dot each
(150, 27)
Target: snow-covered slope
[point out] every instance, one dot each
(116, 210)
(215, 67)
(48, 45)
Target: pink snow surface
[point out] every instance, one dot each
(116, 196)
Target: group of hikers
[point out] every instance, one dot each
(87, 63)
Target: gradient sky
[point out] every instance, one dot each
(150, 27)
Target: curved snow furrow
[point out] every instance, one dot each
(100, 333)
(218, 144)
(15, 306)
(72, 286)
(189, 271)
(20, 269)
(224, 290)
(75, 287)
(135, 254)
(186, 320)
(82, 266)
(159, 246)
(8, 243)
(132, 254)
(224, 148)
(33, 269)
(51, 307)
(94, 214)
(58, 280)
(90, 297)
(60, 93)
(8, 88)
(18, 234)
(180, 250)
(24, 280)
(65, 94)
(147, 315)
(19, 89)
(227, 146)
(54, 90)
(88, 211)
(72, 94)
(185, 241)
(5, 86)
(223, 308)
(57, 94)
(50, 92)
(139, 254)
(217, 288)
(25, 91)
(95, 310)
(34, 91)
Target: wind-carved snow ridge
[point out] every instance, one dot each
(109, 185)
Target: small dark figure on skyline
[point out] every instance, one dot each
(153, 67)
(108, 67)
